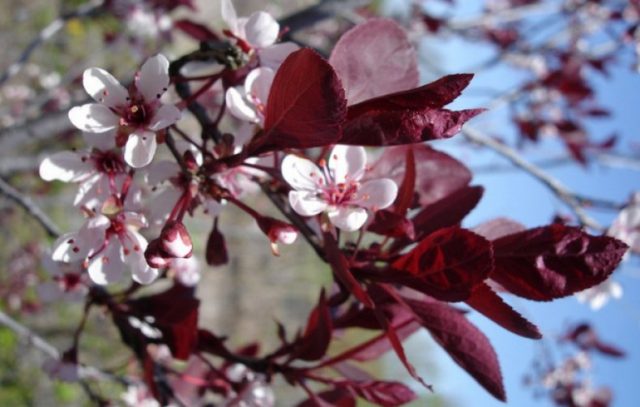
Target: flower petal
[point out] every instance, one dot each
(261, 29)
(274, 55)
(301, 174)
(140, 270)
(376, 194)
(94, 118)
(140, 148)
(104, 88)
(66, 250)
(239, 107)
(258, 84)
(153, 79)
(348, 218)
(67, 166)
(230, 16)
(306, 203)
(107, 267)
(165, 117)
(347, 163)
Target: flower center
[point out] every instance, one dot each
(136, 115)
(109, 162)
(341, 193)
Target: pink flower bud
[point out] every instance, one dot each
(176, 241)
(277, 231)
(155, 256)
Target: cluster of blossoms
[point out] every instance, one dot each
(569, 382)
(302, 126)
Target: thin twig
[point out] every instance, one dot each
(32, 209)
(51, 351)
(46, 34)
(567, 196)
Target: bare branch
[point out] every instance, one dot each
(571, 199)
(32, 209)
(47, 33)
(38, 342)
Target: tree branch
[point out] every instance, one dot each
(571, 199)
(47, 33)
(32, 209)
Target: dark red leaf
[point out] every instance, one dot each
(375, 58)
(447, 264)
(396, 343)
(175, 315)
(196, 31)
(216, 252)
(317, 335)
(306, 105)
(387, 394)
(437, 174)
(410, 116)
(391, 224)
(404, 326)
(432, 95)
(394, 127)
(465, 343)
(405, 192)
(448, 211)
(340, 266)
(484, 300)
(498, 227)
(337, 397)
(554, 261)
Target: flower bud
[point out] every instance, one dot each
(155, 256)
(176, 241)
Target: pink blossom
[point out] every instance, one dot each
(626, 226)
(100, 172)
(108, 245)
(248, 103)
(337, 188)
(257, 33)
(136, 114)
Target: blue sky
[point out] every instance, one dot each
(520, 197)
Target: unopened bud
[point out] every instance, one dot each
(176, 241)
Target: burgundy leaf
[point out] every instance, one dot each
(432, 95)
(405, 192)
(387, 394)
(317, 335)
(196, 31)
(404, 326)
(448, 211)
(174, 313)
(554, 261)
(216, 252)
(410, 116)
(465, 343)
(394, 127)
(396, 343)
(436, 173)
(388, 223)
(306, 105)
(447, 264)
(484, 300)
(340, 266)
(498, 227)
(375, 58)
(337, 397)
